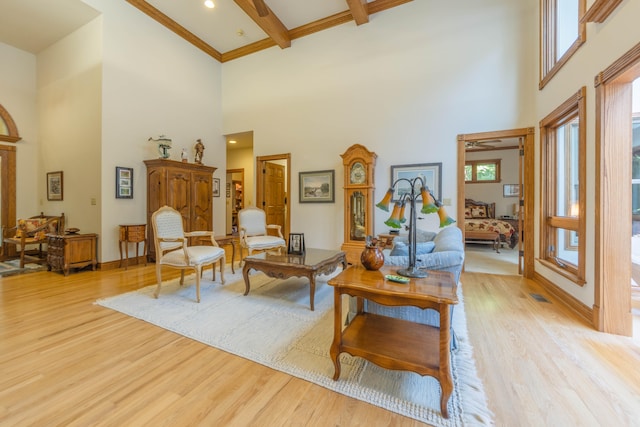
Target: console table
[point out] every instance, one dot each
(132, 233)
(71, 251)
(390, 342)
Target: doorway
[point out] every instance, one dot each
(517, 212)
(235, 198)
(273, 189)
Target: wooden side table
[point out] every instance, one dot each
(71, 251)
(133, 233)
(390, 342)
(228, 240)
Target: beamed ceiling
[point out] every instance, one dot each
(232, 29)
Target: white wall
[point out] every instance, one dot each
(18, 96)
(154, 82)
(403, 85)
(605, 43)
(69, 97)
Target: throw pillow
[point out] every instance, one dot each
(402, 249)
(479, 212)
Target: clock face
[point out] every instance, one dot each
(358, 173)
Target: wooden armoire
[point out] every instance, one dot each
(186, 187)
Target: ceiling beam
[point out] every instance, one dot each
(270, 23)
(359, 10)
(175, 27)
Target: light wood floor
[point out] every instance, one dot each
(65, 361)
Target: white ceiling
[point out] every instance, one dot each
(33, 25)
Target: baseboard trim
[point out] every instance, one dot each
(578, 307)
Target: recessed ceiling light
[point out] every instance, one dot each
(231, 141)
(209, 4)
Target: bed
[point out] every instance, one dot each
(481, 225)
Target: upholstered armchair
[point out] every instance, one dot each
(172, 249)
(33, 232)
(253, 228)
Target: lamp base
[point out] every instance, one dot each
(412, 272)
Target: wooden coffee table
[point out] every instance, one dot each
(282, 266)
(394, 343)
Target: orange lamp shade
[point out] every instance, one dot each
(428, 202)
(384, 203)
(394, 221)
(444, 218)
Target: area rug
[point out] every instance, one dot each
(12, 267)
(274, 326)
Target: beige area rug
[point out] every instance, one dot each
(12, 267)
(273, 326)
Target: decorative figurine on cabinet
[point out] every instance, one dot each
(184, 156)
(199, 152)
(164, 144)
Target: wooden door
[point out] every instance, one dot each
(201, 202)
(179, 194)
(274, 194)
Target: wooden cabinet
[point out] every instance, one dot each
(71, 251)
(186, 187)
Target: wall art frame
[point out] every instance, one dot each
(431, 173)
(317, 186)
(55, 186)
(124, 183)
(216, 187)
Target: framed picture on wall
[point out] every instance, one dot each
(216, 187)
(317, 187)
(55, 186)
(124, 183)
(511, 190)
(430, 173)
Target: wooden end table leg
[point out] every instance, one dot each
(120, 247)
(446, 382)
(334, 352)
(233, 256)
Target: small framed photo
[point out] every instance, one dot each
(511, 190)
(216, 187)
(296, 244)
(228, 190)
(55, 185)
(124, 183)
(429, 173)
(317, 187)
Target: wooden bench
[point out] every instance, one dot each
(488, 237)
(33, 231)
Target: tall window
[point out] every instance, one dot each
(562, 133)
(562, 34)
(635, 158)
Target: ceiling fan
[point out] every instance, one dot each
(261, 8)
(481, 145)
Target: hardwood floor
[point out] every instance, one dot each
(66, 361)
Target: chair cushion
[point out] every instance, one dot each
(28, 225)
(197, 255)
(264, 242)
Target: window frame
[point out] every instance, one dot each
(474, 171)
(549, 65)
(550, 222)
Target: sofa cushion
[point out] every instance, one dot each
(421, 236)
(449, 239)
(402, 249)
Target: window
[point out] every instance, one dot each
(562, 34)
(482, 171)
(562, 136)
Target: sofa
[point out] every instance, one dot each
(435, 251)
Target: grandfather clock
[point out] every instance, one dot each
(359, 164)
